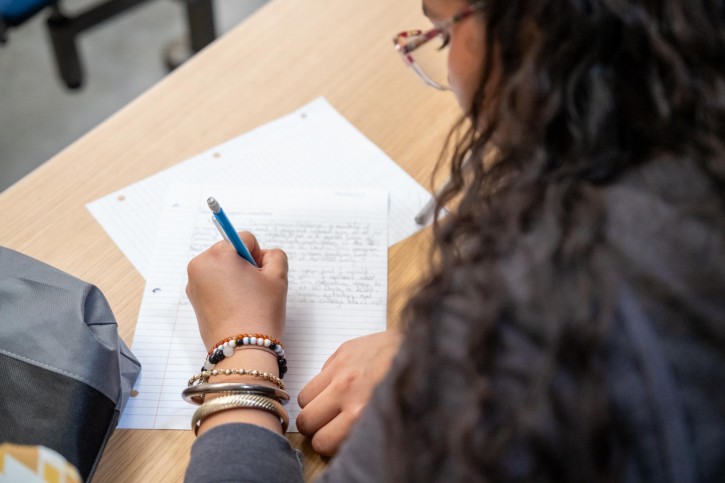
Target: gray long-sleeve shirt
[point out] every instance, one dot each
(249, 453)
(658, 227)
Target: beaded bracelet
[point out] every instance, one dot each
(246, 339)
(196, 394)
(225, 348)
(204, 376)
(240, 401)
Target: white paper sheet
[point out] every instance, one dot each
(314, 147)
(336, 241)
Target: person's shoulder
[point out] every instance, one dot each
(663, 208)
(676, 185)
(665, 223)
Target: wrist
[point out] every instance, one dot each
(260, 360)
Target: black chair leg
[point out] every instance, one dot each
(64, 31)
(3, 32)
(200, 18)
(67, 59)
(201, 32)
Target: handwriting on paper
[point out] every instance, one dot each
(330, 262)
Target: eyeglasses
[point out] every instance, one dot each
(429, 61)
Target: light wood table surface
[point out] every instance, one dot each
(285, 55)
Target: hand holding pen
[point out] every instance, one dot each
(228, 295)
(225, 227)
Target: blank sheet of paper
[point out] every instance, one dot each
(314, 146)
(336, 242)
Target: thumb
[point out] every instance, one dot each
(274, 262)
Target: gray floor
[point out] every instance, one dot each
(122, 58)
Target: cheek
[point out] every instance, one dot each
(453, 70)
(463, 70)
(465, 58)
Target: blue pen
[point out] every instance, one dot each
(221, 221)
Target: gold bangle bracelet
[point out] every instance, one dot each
(239, 401)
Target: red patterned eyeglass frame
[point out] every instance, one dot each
(405, 49)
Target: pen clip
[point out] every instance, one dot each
(219, 228)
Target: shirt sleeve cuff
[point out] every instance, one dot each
(243, 452)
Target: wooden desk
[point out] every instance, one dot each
(285, 55)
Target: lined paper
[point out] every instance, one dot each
(314, 146)
(336, 242)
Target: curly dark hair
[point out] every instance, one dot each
(503, 372)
